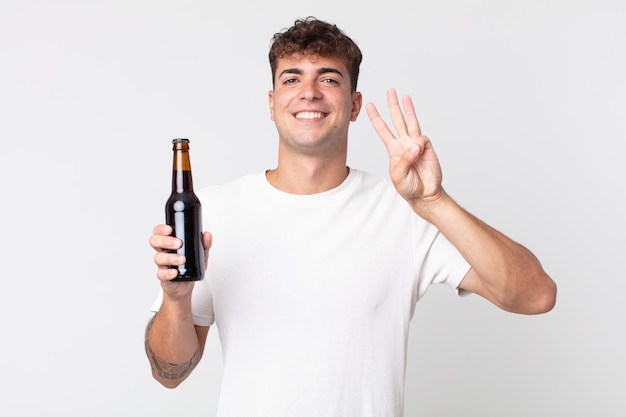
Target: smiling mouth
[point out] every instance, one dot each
(309, 115)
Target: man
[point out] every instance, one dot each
(316, 267)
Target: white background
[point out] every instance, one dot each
(525, 102)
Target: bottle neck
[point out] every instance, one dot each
(181, 173)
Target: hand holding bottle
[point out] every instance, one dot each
(166, 246)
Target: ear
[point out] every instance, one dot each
(270, 96)
(357, 102)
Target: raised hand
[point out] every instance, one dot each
(413, 164)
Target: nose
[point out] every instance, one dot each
(310, 90)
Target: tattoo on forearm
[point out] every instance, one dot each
(168, 370)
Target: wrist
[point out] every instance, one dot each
(433, 207)
(440, 210)
(176, 306)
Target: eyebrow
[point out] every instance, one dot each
(323, 70)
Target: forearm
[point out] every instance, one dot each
(504, 271)
(172, 344)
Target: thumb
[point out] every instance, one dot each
(401, 171)
(408, 158)
(207, 241)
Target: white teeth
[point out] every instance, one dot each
(309, 115)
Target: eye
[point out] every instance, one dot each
(290, 80)
(329, 81)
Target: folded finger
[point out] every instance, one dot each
(167, 274)
(160, 242)
(167, 259)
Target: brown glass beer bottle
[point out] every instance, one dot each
(183, 212)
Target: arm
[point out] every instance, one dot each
(174, 345)
(504, 272)
(166, 369)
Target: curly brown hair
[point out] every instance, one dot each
(312, 36)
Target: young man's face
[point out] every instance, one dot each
(312, 103)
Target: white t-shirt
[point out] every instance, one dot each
(313, 295)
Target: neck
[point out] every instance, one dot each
(308, 175)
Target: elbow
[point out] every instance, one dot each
(543, 298)
(539, 298)
(166, 382)
(170, 384)
(547, 298)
